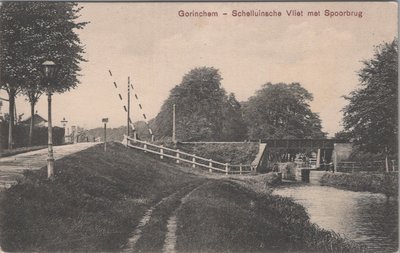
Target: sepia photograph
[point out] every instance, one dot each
(199, 126)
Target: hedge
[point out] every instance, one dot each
(21, 135)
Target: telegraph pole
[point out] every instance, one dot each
(105, 121)
(129, 105)
(173, 125)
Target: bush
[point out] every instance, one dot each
(386, 183)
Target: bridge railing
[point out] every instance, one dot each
(181, 156)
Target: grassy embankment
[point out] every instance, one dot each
(98, 199)
(386, 183)
(94, 203)
(224, 216)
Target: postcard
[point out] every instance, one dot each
(199, 126)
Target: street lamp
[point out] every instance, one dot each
(49, 72)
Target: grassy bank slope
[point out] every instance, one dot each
(233, 153)
(223, 216)
(386, 183)
(93, 204)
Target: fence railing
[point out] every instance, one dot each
(194, 160)
(366, 166)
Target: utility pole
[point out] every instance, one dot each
(173, 125)
(105, 121)
(129, 106)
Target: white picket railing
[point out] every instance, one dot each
(194, 160)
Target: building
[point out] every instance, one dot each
(38, 121)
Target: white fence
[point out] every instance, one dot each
(194, 160)
(366, 166)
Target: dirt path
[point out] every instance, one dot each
(12, 167)
(156, 231)
(137, 233)
(170, 237)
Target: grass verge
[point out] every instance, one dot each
(94, 203)
(224, 216)
(386, 183)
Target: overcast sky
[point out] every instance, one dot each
(155, 47)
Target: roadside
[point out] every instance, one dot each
(94, 204)
(124, 200)
(12, 167)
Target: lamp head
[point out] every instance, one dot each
(49, 69)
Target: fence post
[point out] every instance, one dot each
(194, 160)
(226, 169)
(177, 156)
(210, 165)
(352, 169)
(240, 169)
(161, 152)
(145, 147)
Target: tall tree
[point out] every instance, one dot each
(281, 111)
(31, 33)
(201, 107)
(233, 127)
(371, 115)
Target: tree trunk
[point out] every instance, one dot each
(31, 123)
(11, 97)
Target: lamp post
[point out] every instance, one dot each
(49, 71)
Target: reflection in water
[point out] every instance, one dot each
(362, 216)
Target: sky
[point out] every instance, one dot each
(155, 47)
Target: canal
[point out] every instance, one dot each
(361, 216)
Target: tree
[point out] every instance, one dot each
(202, 108)
(233, 126)
(371, 115)
(281, 111)
(31, 33)
(344, 135)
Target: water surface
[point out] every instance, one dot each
(361, 216)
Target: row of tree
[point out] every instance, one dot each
(206, 112)
(30, 34)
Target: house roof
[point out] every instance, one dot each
(37, 119)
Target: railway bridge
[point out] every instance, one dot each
(285, 150)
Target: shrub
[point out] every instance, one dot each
(386, 183)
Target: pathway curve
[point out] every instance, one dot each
(12, 167)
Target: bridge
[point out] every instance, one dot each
(283, 150)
